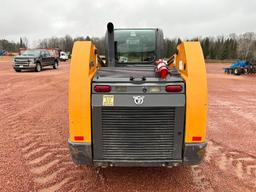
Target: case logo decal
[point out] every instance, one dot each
(138, 100)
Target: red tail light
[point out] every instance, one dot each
(173, 88)
(79, 138)
(102, 88)
(196, 138)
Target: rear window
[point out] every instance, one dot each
(135, 46)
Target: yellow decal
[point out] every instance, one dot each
(108, 100)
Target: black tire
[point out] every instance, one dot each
(237, 71)
(38, 67)
(55, 65)
(17, 70)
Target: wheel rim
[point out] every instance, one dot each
(55, 64)
(38, 67)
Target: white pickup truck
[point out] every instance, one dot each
(63, 56)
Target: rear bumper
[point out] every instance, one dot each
(63, 59)
(194, 153)
(81, 154)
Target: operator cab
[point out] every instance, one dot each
(133, 47)
(131, 56)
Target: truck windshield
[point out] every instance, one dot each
(31, 53)
(135, 46)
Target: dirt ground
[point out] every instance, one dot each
(34, 154)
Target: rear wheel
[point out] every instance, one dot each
(55, 66)
(237, 71)
(38, 67)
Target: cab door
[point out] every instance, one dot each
(44, 58)
(50, 58)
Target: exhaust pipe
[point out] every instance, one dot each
(110, 45)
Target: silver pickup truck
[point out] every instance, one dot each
(34, 59)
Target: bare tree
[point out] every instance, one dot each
(246, 45)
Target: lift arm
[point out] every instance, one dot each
(190, 63)
(82, 69)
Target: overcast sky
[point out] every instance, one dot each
(37, 19)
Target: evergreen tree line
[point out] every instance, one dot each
(12, 46)
(66, 43)
(222, 47)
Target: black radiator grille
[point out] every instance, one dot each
(138, 133)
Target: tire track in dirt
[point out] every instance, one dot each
(48, 166)
(239, 165)
(200, 180)
(46, 161)
(235, 163)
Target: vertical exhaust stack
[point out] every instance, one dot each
(110, 45)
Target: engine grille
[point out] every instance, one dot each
(138, 133)
(21, 62)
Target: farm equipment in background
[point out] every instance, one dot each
(242, 67)
(3, 52)
(135, 109)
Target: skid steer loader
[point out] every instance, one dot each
(130, 111)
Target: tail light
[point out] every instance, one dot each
(79, 138)
(196, 138)
(102, 88)
(173, 88)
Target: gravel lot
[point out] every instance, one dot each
(34, 129)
